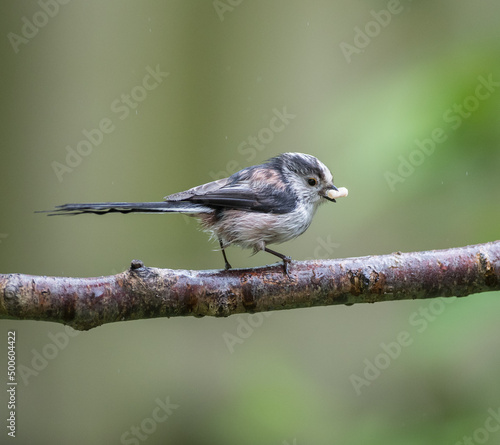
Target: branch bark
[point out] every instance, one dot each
(145, 292)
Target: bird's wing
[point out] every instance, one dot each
(243, 197)
(238, 192)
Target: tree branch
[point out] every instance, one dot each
(145, 292)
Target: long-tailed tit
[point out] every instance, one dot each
(269, 203)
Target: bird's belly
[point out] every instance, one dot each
(255, 230)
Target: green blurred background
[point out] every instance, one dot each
(361, 93)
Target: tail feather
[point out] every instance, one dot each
(100, 208)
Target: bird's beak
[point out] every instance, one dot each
(332, 192)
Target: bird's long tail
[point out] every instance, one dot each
(101, 208)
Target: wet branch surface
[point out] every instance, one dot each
(146, 292)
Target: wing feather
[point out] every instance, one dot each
(199, 190)
(242, 192)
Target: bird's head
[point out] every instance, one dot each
(310, 179)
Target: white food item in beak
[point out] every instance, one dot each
(340, 193)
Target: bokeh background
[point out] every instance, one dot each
(365, 82)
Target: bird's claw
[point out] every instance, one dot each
(286, 262)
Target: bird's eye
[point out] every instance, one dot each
(312, 182)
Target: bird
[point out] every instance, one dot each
(264, 204)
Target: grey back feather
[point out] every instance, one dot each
(199, 190)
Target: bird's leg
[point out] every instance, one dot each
(286, 259)
(226, 265)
